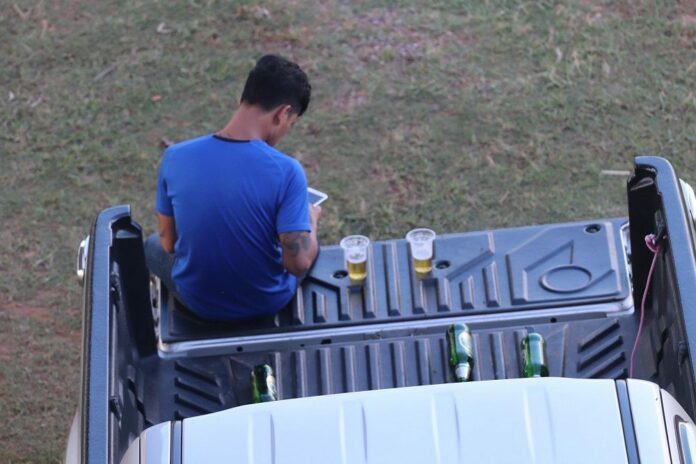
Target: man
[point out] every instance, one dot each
(234, 210)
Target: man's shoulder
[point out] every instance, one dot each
(283, 160)
(190, 144)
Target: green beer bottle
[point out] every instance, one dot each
(263, 386)
(534, 356)
(461, 350)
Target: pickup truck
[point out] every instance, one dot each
(362, 370)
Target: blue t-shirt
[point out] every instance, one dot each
(230, 201)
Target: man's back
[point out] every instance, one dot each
(231, 200)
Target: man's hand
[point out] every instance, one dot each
(314, 215)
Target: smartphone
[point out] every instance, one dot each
(315, 196)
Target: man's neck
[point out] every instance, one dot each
(246, 124)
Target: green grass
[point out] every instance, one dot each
(459, 115)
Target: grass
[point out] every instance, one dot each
(458, 115)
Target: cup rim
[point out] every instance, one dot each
(343, 241)
(412, 232)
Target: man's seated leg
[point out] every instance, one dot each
(159, 262)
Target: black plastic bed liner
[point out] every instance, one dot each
(569, 282)
(181, 387)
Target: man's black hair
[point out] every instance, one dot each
(276, 81)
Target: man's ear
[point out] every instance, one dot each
(280, 113)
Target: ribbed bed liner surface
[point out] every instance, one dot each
(578, 265)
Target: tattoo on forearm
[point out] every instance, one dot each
(294, 242)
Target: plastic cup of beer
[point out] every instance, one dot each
(355, 248)
(421, 243)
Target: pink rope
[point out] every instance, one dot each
(655, 248)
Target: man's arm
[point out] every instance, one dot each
(167, 232)
(300, 248)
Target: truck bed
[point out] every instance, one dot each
(570, 282)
